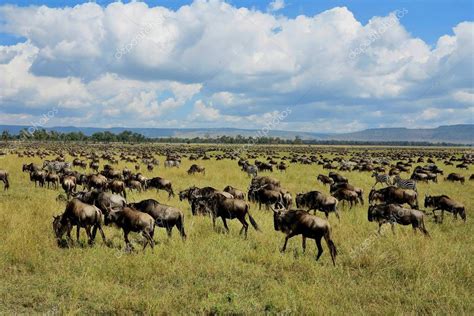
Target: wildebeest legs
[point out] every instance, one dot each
(291, 234)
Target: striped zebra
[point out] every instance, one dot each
(404, 183)
(381, 178)
(250, 169)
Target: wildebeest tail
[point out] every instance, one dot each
(7, 183)
(423, 228)
(252, 221)
(331, 245)
(180, 226)
(124, 192)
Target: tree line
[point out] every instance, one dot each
(132, 137)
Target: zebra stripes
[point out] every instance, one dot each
(404, 183)
(381, 178)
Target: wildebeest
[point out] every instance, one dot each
(263, 195)
(445, 203)
(161, 184)
(118, 186)
(238, 194)
(455, 177)
(344, 185)
(225, 208)
(394, 195)
(69, 185)
(81, 215)
(325, 179)
(38, 177)
(346, 195)
(395, 213)
(196, 169)
(164, 215)
(131, 220)
(53, 179)
(337, 178)
(4, 179)
(296, 222)
(315, 200)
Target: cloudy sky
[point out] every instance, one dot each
(337, 65)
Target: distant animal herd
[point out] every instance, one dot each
(99, 197)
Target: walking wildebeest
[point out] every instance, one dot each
(81, 215)
(296, 222)
(336, 177)
(445, 203)
(265, 196)
(161, 184)
(69, 185)
(325, 179)
(131, 220)
(4, 179)
(316, 201)
(344, 185)
(346, 195)
(164, 215)
(196, 169)
(119, 187)
(235, 192)
(225, 208)
(395, 213)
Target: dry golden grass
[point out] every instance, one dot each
(216, 273)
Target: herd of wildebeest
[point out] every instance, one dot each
(95, 197)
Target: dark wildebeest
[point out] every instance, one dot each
(296, 222)
(259, 181)
(336, 177)
(455, 177)
(81, 215)
(38, 177)
(164, 215)
(235, 192)
(395, 213)
(346, 195)
(196, 169)
(4, 179)
(225, 208)
(119, 187)
(161, 184)
(53, 179)
(131, 220)
(394, 195)
(316, 201)
(265, 196)
(192, 194)
(325, 179)
(445, 203)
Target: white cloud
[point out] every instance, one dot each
(241, 64)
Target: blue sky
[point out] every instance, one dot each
(338, 65)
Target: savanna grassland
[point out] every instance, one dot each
(213, 272)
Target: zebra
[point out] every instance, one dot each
(404, 183)
(250, 169)
(171, 163)
(381, 178)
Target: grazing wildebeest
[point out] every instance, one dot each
(161, 184)
(325, 179)
(282, 167)
(196, 169)
(395, 213)
(81, 215)
(119, 187)
(455, 177)
(135, 185)
(97, 181)
(4, 179)
(263, 180)
(164, 215)
(316, 201)
(296, 222)
(381, 178)
(94, 165)
(225, 208)
(131, 220)
(394, 195)
(445, 203)
(235, 192)
(346, 195)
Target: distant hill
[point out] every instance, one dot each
(456, 134)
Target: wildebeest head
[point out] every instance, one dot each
(429, 201)
(58, 227)
(299, 200)
(370, 213)
(375, 195)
